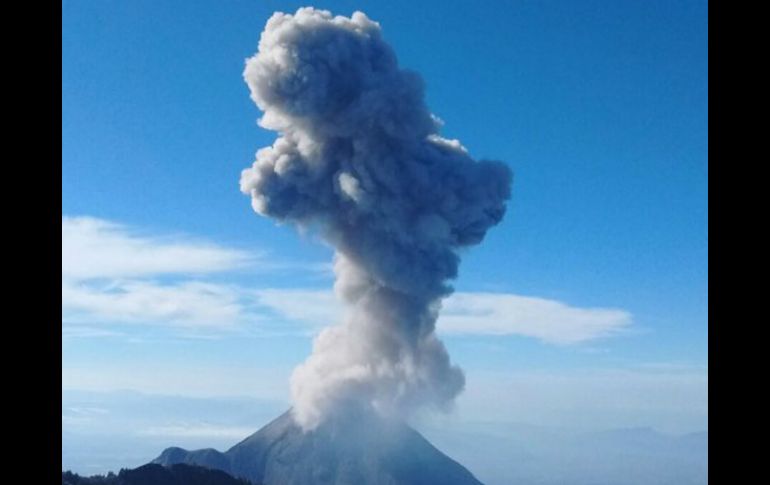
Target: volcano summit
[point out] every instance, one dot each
(351, 448)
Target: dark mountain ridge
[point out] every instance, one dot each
(153, 474)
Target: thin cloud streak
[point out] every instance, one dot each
(194, 304)
(113, 273)
(190, 303)
(110, 271)
(547, 320)
(470, 313)
(313, 308)
(96, 248)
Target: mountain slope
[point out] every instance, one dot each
(352, 448)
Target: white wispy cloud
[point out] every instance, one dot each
(189, 303)
(84, 331)
(96, 248)
(314, 308)
(547, 320)
(472, 313)
(110, 275)
(113, 273)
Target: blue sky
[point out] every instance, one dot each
(596, 278)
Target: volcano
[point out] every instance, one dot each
(351, 448)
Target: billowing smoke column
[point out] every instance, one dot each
(359, 158)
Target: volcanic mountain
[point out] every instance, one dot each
(351, 448)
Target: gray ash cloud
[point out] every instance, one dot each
(359, 157)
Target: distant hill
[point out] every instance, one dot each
(352, 448)
(152, 474)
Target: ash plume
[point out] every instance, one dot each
(359, 158)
